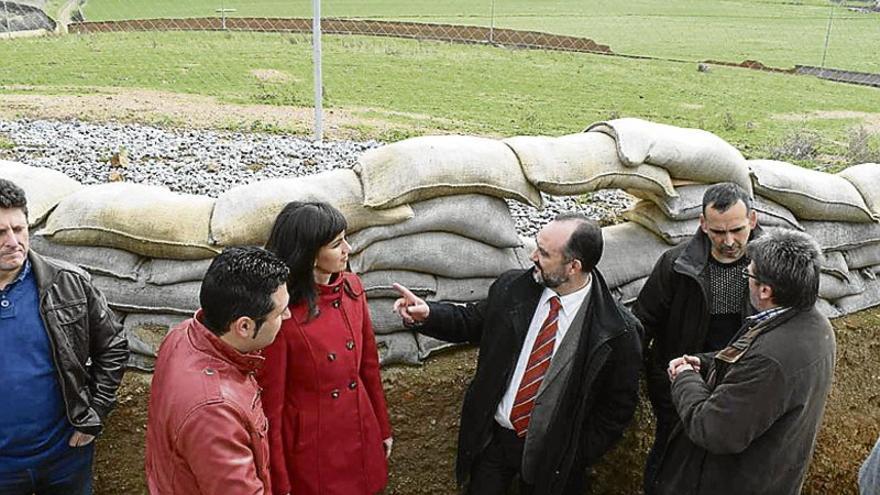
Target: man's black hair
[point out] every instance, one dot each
(240, 282)
(724, 195)
(12, 196)
(586, 243)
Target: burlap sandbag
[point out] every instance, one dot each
(862, 256)
(866, 179)
(421, 168)
(168, 272)
(99, 260)
(385, 319)
(244, 215)
(148, 220)
(628, 292)
(397, 348)
(138, 297)
(650, 216)
(581, 163)
(809, 194)
(835, 264)
(442, 254)
(482, 218)
(429, 346)
(149, 330)
(630, 253)
(692, 154)
(380, 283)
(833, 288)
(869, 298)
(828, 309)
(838, 236)
(462, 289)
(689, 205)
(44, 188)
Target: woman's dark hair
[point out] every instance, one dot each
(299, 232)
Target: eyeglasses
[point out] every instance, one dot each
(745, 274)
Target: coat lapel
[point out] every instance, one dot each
(562, 360)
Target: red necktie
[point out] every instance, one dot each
(539, 362)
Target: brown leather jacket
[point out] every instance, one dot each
(88, 346)
(206, 430)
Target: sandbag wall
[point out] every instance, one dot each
(430, 213)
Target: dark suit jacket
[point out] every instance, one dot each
(588, 414)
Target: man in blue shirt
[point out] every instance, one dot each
(63, 358)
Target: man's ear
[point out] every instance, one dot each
(243, 327)
(753, 219)
(577, 266)
(765, 292)
(703, 224)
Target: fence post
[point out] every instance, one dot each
(827, 35)
(492, 24)
(316, 63)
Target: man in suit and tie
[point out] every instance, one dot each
(557, 378)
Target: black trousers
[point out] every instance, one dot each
(499, 465)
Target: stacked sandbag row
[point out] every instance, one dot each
(461, 237)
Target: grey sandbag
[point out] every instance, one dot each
(628, 292)
(426, 167)
(138, 297)
(168, 272)
(442, 254)
(689, 205)
(379, 284)
(650, 216)
(833, 288)
(429, 346)
(397, 348)
(244, 215)
(43, 187)
(862, 256)
(94, 259)
(482, 218)
(835, 264)
(840, 236)
(629, 254)
(462, 289)
(691, 154)
(148, 220)
(149, 330)
(869, 298)
(866, 179)
(810, 194)
(385, 320)
(581, 163)
(827, 308)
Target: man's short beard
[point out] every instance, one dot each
(550, 282)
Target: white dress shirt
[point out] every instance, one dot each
(570, 304)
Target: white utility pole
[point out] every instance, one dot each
(316, 63)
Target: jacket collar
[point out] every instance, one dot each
(693, 259)
(205, 341)
(44, 273)
(604, 317)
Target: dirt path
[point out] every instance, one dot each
(194, 111)
(65, 13)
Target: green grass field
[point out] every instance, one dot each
(779, 33)
(457, 88)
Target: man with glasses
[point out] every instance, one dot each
(695, 299)
(750, 413)
(557, 379)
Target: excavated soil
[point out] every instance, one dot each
(424, 405)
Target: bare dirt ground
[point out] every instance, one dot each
(870, 121)
(424, 405)
(194, 111)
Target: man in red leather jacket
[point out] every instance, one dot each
(206, 431)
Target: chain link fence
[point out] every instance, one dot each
(233, 48)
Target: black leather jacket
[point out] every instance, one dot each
(88, 346)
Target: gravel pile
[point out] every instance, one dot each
(210, 162)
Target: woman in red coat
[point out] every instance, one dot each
(328, 424)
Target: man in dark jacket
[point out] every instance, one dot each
(557, 378)
(749, 422)
(695, 299)
(64, 356)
